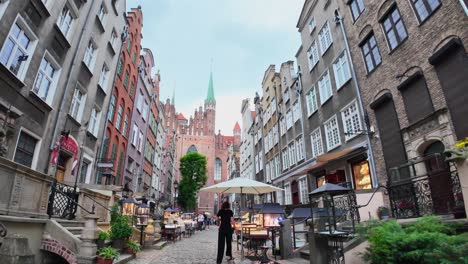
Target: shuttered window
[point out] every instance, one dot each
(389, 131)
(413, 90)
(451, 64)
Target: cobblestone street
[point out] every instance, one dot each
(200, 248)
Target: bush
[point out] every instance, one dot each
(120, 228)
(103, 235)
(108, 253)
(426, 241)
(133, 245)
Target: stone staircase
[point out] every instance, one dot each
(73, 226)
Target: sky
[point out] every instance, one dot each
(239, 38)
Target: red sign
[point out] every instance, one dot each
(68, 144)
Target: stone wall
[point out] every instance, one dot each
(23, 191)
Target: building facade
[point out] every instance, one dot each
(119, 114)
(53, 53)
(247, 167)
(198, 134)
(410, 58)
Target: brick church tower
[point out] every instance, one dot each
(198, 134)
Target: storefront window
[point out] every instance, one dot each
(362, 177)
(320, 181)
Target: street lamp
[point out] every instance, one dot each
(129, 207)
(176, 186)
(142, 215)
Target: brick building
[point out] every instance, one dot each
(198, 134)
(119, 114)
(410, 58)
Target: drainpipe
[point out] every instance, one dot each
(339, 20)
(299, 95)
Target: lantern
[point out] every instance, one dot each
(142, 214)
(129, 206)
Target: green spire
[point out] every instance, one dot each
(173, 97)
(210, 96)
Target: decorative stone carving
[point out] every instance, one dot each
(3, 143)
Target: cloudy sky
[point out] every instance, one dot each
(241, 37)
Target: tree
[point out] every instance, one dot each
(193, 171)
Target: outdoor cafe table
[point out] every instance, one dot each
(172, 231)
(256, 238)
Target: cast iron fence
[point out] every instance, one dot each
(425, 186)
(63, 201)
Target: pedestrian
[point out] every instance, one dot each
(226, 224)
(206, 220)
(200, 221)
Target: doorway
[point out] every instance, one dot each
(440, 183)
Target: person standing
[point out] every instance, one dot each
(200, 219)
(226, 224)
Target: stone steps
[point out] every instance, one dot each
(160, 245)
(70, 223)
(75, 230)
(123, 258)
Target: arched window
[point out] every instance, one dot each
(192, 149)
(218, 166)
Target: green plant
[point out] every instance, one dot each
(115, 213)
(133, 245)
(108, 253)
(120, 228)
(103, 235)
(428, 240)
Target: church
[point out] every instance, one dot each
(198, 134)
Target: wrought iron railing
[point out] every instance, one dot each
(63, 201)
(425, 186)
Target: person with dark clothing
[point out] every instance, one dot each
(226, 224)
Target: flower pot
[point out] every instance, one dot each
(119, 243)
(100, 243)
(104, 261)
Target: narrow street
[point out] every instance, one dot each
(200, 248)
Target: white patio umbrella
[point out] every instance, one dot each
(241, 185)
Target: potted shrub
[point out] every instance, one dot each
(383, 212)
(132, 247)
(103, 236)
(106, 255)
(120, 231)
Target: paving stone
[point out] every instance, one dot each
(200, 248)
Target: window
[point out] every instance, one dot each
(394, 28)
(132, 89)
(371, 53)
(102, 14)
(332, 133)
(424, 8)
(125, 127)
(278, 165)
(414, 90)
(65, 21)
(90, 56)
(134, 57)
(120, 67)
(25, 149)
(218, 166)
(18, 49)
(362, 177)
(284, 155)
(140, 141)
(279, 197)
(300, 149)
(325, 38)
(144, 115)
(267, 175)
(104, 77)
(341, 70)
(46, 80)
(94, 119)
(325, 88)
(113, 38)
(292, 154)
(135, 135)
(296, 111)
(357, 7)
(119, 117)
(316, 142)
(289, 119)
(311, 101)
(77, 106)
(140, 102)
(110, 114)
(312, 25)
(127, 76)
(286, 96)
(303, 191)
(351, 121)
(129, 45)
(282, 126)
(84, 171)
(313, 55)
(287, 194)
